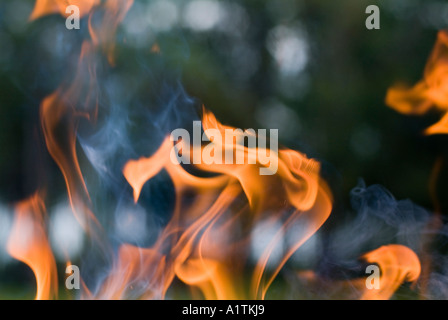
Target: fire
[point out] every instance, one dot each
(430, 92)
(207, 243)
(135, 266)
(59, 115)
(46, 7)
(398, 264)
(28, 243)
(63, 109)
(104, 34)
(296, 195)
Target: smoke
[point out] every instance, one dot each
(381, 219)
(140, 101)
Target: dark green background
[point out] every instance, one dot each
(332, 110)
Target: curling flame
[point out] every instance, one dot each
(431, 92)
(59, 120)
(398, 264)
(28, 243)
(207, 248)
(62, 110)
(207, 242)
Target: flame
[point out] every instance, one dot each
(59, 120)
(46, 7)
(104, 34)
(204, 254)
(398, 264)
(430, 92)
(61, 111)
(207, 242)
(28, 243)
(134, 266)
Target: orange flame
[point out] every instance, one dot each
(62, 110)
(28, 243)
(204, 253)
(430, 92)
(134, 265)
(207, 242)
(59, 120)
(104, 34)
(46, 7)
(398, 264)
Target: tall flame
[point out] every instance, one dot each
(28, 243)
(62, 110)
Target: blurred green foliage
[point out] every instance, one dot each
(332, 108)
(309, 68)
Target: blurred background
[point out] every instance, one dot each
(309, 68)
